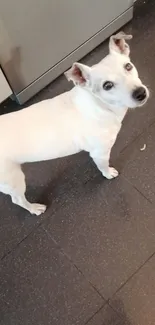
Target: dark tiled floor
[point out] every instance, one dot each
(138, 296)
(90, 258)
(44, 287)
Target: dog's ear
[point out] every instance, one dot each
(117, 43)
(79, 74)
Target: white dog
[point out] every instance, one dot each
(88, 118)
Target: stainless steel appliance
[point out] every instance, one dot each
(39, 39)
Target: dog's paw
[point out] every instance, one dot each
(112, 173)
(37, 209)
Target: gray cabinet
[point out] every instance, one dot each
(4, 87)
(41, 38)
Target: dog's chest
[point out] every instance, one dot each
(100, 133)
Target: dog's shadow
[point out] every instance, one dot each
(111, 315)
(59, 180)
(71, 177)
(116, 314)
(122, 314)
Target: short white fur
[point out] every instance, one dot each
(86, 118)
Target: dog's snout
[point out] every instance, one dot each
(139, 94)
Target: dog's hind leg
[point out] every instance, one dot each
(12, 182)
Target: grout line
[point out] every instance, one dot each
(137, 189)
(111, 307)
(72, 262)
(22, 240)
(115, 310)
(130, 277)
(36, 226)
(95, 314)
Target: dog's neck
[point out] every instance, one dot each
(90, 105)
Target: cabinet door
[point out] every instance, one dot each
(40, 33)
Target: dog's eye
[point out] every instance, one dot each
(108, 85)
(128, 66)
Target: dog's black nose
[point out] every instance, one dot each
(139, 94)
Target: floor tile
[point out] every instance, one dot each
(107, 229)
(139, 166)
(136, 298)
(39, 285)
(15, 225)
(46, 182)
(105, 316)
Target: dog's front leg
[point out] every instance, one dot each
(101, 159)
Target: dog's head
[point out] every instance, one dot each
(114, 80)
